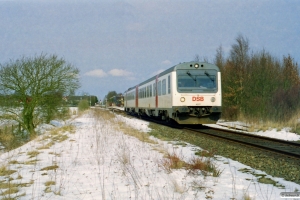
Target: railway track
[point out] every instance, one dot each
(283, 147)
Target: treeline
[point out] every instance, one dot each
(73, 100)
(113, 99)
(258, 86)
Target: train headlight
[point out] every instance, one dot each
(182, 99)
(213, 99)
(196, 65)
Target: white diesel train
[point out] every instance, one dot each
(189, 93)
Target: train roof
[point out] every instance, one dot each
(185, 65)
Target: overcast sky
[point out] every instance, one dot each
(118, 44)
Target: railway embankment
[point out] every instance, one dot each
(273, 164)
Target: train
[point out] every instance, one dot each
(187, 93)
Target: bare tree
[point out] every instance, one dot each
(32, 82)
(239, 53)
(239, 58)
(197, 58)
(220, 60)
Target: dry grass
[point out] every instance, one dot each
(14, 162)
(49, 183)
(6, 172)
(32, 154)
(9, 191)
(31, 162)
(5, 137)
(203, 165)
(197, 163)
(257, 124)
(173, 160)
(46, 146)
(106, 115)
(68, 128)
(128, 130)
(103, 114)
(52, 167)
(56, 135)
(8, 139)
(205, 153)
(55, 154)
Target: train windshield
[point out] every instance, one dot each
(197, 81)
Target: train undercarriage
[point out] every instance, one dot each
(182, 114)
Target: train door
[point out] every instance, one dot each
(136, 97)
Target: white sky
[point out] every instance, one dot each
(118, 44)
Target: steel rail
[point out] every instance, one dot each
(288, 148)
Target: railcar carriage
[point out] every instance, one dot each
(189, 93)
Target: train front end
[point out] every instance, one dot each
(197, 97)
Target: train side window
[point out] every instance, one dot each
(159, 88)
(150, 89)
(147, 91)
(169, 84)
(154, 90)
(163, 87)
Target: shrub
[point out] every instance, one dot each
(83, 105)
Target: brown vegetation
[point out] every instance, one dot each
(258, 86)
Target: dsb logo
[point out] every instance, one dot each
(197, 98)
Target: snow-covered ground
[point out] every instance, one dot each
(283, 134)
(99, 161)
